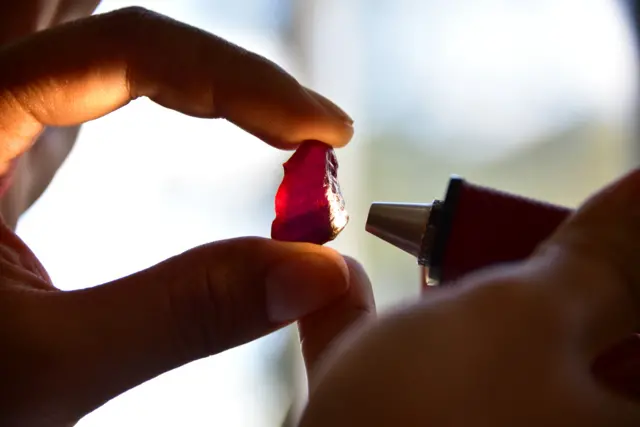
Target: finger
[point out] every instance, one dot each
(591, 266)
(321, 328)
(81, 71)
(70, 10)
(202, 302)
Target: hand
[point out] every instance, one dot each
(511, 346)
(34, 170)
(66, 353)
(82, 71)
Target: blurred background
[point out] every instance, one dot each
(531, 97)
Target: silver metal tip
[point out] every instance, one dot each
(401, 224)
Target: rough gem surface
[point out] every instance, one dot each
(309, 205)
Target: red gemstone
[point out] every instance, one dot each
(309, 204)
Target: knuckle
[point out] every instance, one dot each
(130, 25)
(508, 298)
(130, 28)
(500, 296)
(133, 14)
(203, 310)
(219, 307)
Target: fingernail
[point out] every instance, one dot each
(330, 107)
(302, 285)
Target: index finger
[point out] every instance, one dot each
(81, 71)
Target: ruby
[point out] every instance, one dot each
(309, 205)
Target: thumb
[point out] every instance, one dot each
(592, 265)
(209, 299)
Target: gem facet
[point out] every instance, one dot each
(309, 205)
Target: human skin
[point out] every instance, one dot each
(35, 168)
(513, 345)
(510, 346)
(66, 353)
